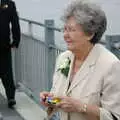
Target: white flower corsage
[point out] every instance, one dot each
(65, 66)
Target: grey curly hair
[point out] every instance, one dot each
(89, 15)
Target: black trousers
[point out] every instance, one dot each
(6, 73)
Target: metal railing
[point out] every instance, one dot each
(113, 44)
(34, 60)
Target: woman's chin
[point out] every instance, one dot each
(70, 48)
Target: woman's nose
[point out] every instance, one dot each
(66, 34)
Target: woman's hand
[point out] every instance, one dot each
(69, 104)
(43, 96)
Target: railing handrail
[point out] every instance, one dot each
(40, 24)
(30, 22)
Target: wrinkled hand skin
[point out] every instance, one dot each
(69, 104)
(43, 96)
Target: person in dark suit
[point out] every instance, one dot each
(9, 24)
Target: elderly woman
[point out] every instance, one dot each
(87, 75)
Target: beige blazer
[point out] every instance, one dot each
(97, 82)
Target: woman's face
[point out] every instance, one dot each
(74, 36)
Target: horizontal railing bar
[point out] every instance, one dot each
(40, 24)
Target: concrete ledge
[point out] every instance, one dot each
(26, 107)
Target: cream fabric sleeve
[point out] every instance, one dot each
(55, 75)
(105, 115)
(110, 98)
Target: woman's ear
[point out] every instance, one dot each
(90, 36)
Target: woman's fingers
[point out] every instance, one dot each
(43, 97)
(43, 94)
(62, 103)
(44, 103)
(64, 106)
(68, 104)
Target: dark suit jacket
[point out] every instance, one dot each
(8, 15)
(9, 25)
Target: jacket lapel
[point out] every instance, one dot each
(71, 65)
(85, 69)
